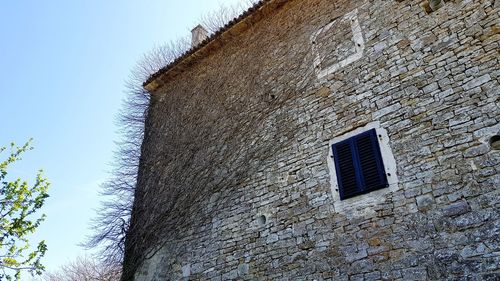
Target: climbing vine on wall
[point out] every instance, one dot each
(207, 132)
(113, 221)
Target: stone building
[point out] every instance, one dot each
(326, 140)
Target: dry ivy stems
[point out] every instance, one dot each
(112, 223)
(202, 138)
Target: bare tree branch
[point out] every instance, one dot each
(113, 221)
(85, 269)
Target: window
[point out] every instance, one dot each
(359, 165)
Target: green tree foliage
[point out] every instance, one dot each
(19, 203)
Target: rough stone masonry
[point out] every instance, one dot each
(243, 134)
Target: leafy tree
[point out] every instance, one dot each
(19, 203)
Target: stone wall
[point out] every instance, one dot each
(431, 80)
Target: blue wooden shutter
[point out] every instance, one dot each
(345, 167)
(359, 166)
(370, 161)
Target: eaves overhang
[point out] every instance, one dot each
(232, 29)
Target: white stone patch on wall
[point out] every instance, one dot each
(186, 270)
(331, 52)
(362, 205)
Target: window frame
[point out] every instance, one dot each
(361, 185)
(364, 203)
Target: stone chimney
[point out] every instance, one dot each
(199, 33)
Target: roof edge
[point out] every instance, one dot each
(232, 29)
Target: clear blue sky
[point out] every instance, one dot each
(62, 70)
